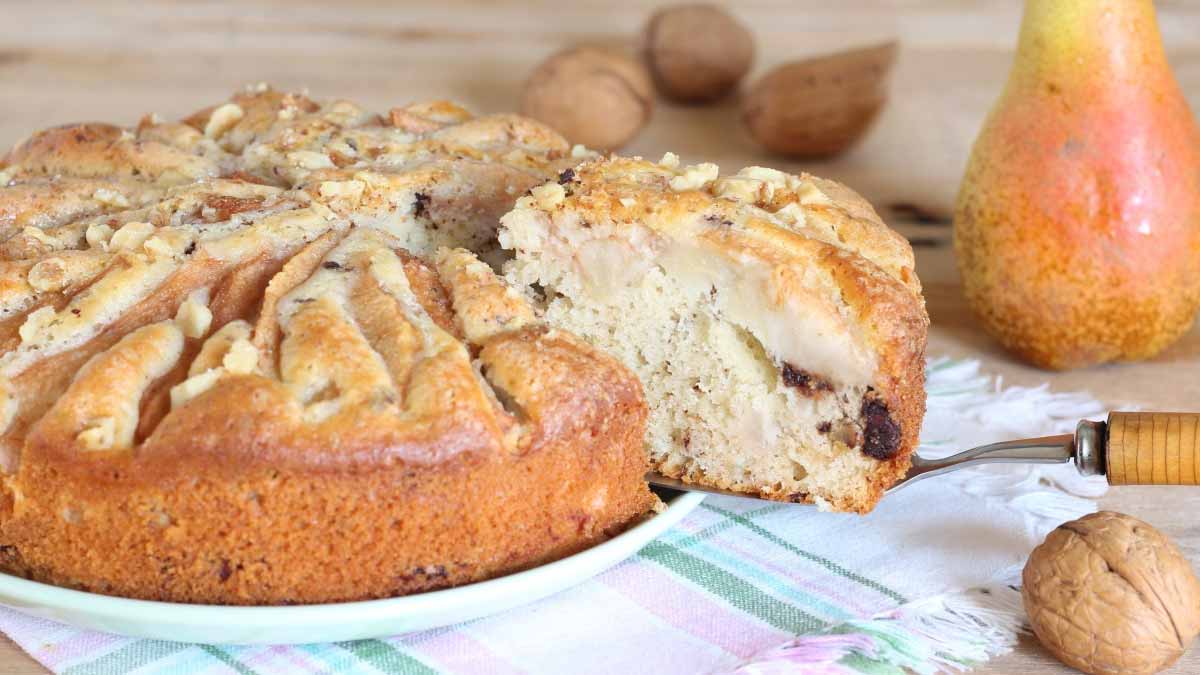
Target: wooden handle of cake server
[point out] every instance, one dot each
(1153, 449)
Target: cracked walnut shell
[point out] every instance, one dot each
(1108, 593)
(819, 107)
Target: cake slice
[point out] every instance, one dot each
(776, 323)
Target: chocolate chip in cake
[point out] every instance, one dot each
(430, 572)
(225, 572)
(191, 248)
(881, 434)
(331, 265)
(420, 204)
(825, 427)
(807, 383)
(566, 176)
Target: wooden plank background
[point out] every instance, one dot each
(114, 60)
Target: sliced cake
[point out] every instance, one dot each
(776, 323)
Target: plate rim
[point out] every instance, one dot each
(22, 594)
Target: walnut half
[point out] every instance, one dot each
(1108, 593)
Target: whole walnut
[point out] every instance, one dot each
(819, 107)
(592, 96)
(697, 52)
(1110, 594)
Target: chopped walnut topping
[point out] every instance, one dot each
(131, 236)
(97, 235)
(111, 198)
(99, 435)
(194, 386)
(38, 234)
(772, 177)
(349, 189)
(442, 111)
(48, 275)
(810, 194)
(323, 211)
(695, 177)
(739, 189)
(167, 244)
(412, 123)
(792, 213)
(193, 317)
(223, 119)
(670, 160)
(36, 322)
(753, 184)
(242, 357)
(307, 159)
(549, 195)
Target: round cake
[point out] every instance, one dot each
(256, 357)
(286, 351)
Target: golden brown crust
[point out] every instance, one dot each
(222, 389)
(897, 327)
(256, 534)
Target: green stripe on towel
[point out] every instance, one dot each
(732, 589)
(823, 562)
(386, 657)
(226, 658)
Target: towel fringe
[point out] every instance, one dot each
(965, 399)
(956, 631)
(947, 633)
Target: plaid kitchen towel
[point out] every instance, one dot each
(923, 583)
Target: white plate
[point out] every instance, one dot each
(216, 624)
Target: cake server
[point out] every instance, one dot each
(1127, 449)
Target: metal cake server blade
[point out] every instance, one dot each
(1128, 449)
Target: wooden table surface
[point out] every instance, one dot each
(113, 60)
